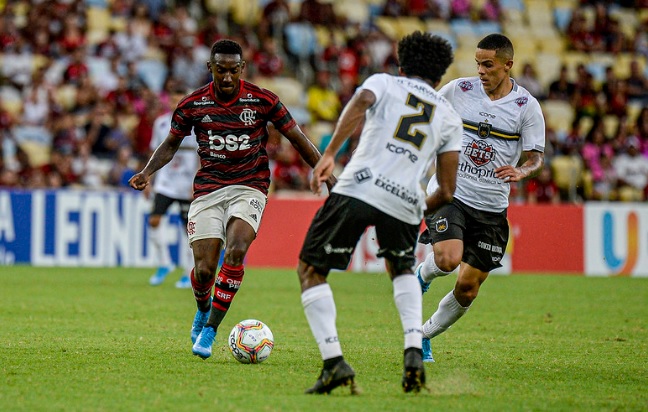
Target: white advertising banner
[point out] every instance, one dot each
(616, 239)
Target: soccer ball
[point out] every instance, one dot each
(251, 341)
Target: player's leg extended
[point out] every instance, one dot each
(240, 236)
(320, 311)
(206, 255)
(338, 225)
(457, 302)
(443, 260)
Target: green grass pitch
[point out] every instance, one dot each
(95, 339)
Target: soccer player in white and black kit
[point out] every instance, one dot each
(173, 184)
(501, 122)
(408, 125)
(229, 117)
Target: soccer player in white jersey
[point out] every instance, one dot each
(173, 184)
(501, 122)
(408, 125)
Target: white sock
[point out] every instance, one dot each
(409, 302)
(429, 269)
(161, 252)
(319, 308)
(447, 314)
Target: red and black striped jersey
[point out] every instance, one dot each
(232, 136)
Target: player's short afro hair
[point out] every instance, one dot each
(424, 55)
(226, 46)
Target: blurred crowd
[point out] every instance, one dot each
(81, 82)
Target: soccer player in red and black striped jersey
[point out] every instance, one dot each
(229, 117)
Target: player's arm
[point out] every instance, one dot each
(446, 174)
(161, 156)
(531, 167)
(352, 115)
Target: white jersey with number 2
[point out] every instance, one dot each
(175, 179)
(404, 130)
(495, 133)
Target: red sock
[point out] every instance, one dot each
(201, 291)
(228, 282)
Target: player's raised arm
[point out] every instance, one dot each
(162, 155)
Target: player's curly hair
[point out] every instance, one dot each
(424, 55)
(498, 42)
(226, 46)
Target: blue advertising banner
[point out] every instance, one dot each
(81, 228)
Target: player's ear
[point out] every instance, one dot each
(243, 63)
(208, 65)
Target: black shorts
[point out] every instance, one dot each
(336, 229)
(484, 234)
(162, 203)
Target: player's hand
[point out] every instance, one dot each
(322, 172)
(509, 174)
(139, 181)
(330, 182)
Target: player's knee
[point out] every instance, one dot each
(466, 292)
(447, 261)
(235, 254)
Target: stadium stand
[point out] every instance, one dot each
(604, 40)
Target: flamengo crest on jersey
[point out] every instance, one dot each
(404, 130)
(232, 135)
(175, 179)
(495, 133)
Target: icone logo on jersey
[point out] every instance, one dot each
(614, 262)
(480, 152)
(465, 86)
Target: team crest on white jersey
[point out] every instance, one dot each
(248, 116)
(465, 86)
(479, 152)
(521, 101)
(484, 130)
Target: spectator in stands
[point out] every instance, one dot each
(580, 37)
(77, 67)
(393, 8)
(562, 88)
(632, 172)
(491, 10)
(585, 99)
(641, 129)
(290, 172)
(123, 168)
(542, 188)
(274, 17)
(529, 80)
(595, 147)
(637, 83)
(317, 12)
(322, 100)
(604, 185)
(267, 60)
(461, 9)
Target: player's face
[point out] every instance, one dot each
(226, 70)
(492, 70)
